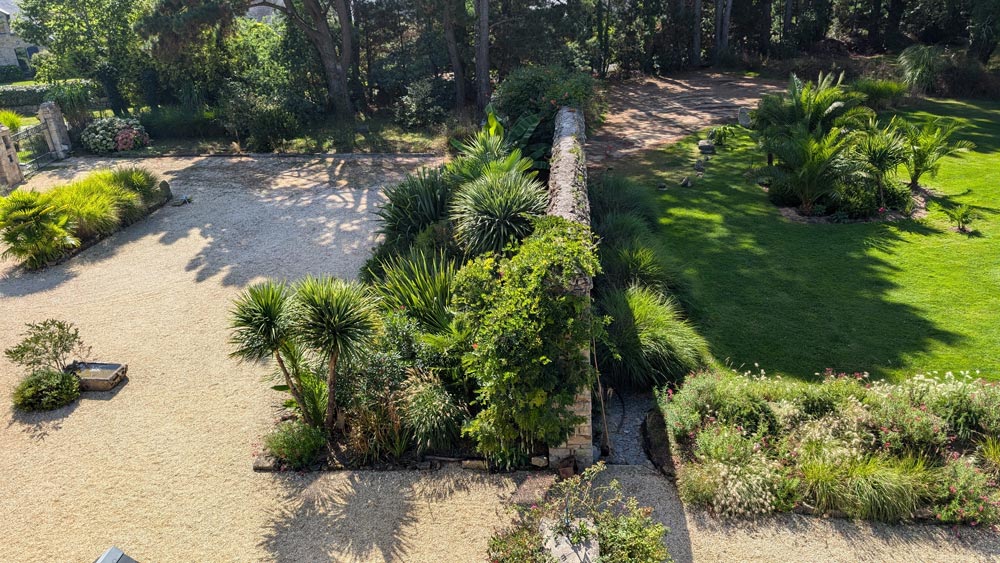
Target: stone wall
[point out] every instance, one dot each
(568, 199)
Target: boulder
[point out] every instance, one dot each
(706, 147)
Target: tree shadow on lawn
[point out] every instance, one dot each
(980, 120)
(361, 515)
(793, 298)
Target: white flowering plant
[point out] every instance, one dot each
(114, 134)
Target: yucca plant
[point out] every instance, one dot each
(479, 152)
(648, 340)
(336, 318)
(809, 168)
(34, 229)
(420, 285)
(413, 205)
(261, 324)
(494, 210)
(11, 120)
(927, 144)
(961, 216)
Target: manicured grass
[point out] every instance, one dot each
(892, 299)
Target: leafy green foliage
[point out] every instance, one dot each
(614, 193)
(46, 389)
(295, 443)
(430, 411)
(528, 330)
(648, 340)
(48, 345)
(11, 120)
(920, 66)
(35, 231)
(95, 207)
(412, 206)
(496, 209)
(927, 144)
(420, 286)
(961, 216)
(880, 94)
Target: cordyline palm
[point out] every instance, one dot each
(881, 151)
(336, 318)
(262, 330)
(817, 107)
(926, 145)
(810, 167)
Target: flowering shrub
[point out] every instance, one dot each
(752, 444)
(114, 134)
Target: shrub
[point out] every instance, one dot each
(430, 411)
(48, 345)
(11, 120)
(961, 216)
(113, 134)
(174, 122)
(420, 107)
(23, 96)
(631, 536)
(964, 494)
(75, 99)
(880, 94)
(46, 389)
(927, 144)
(95, 207)
(542, 90)
(921, 64)
(527, 335)
(10, 73)
(261, 124)
(496, 209)
(648, 340)
(35, 231)
(419, 286)
(412, 206)
(135, 179)
(295, 443)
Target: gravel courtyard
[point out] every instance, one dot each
(161, 466)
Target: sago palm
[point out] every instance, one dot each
(262, 330)
(927, 144)
(881, 150)
(810, 167)
(336, 318)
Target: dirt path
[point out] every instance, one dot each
(161, 466)
(649, 111)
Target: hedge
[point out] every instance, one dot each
(33, 95)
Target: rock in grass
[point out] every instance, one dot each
(706, 147)
(686, 182)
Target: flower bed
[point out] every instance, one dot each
(926, 448)
(114, 134)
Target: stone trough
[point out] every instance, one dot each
(98, 376)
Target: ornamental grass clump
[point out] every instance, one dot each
(846, 446)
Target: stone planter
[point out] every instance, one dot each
(97, 376)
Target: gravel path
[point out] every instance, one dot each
(625, 413)
(161, 466)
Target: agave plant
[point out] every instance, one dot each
(927, 144)
(496, 209)
(35, 230)
(336, 318)
(420, 285)
(413, 205)
(810, 167)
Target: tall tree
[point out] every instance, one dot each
(723, 11)
(696, 34)
(454, 56)
(482, 54)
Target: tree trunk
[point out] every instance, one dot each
(874, 25)
(726, 18)
(786, 23)
(456, 59)
(482, 54)
(313, 23)
(696, 36)
(346, 47)
(331, 394)
(294, 389)
(765, 28)
(893, 21)
(723, 9)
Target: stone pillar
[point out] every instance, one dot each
(10, 167)
(568, 199)
(56, 134)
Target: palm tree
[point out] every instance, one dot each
(811, 167)
(926, 145)
(262, 330)
(336, 318)
(881, 150)
(34, 230)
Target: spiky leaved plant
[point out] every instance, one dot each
(420, 285)
(496, 209)
(927, 144)
(34, 230)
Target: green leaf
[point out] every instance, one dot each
(281, 388)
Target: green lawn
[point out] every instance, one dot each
(892, 299)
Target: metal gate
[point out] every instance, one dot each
(32, 149)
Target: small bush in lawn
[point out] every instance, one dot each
(431, 411)
(961, 216)
(648, 340)
(49, 345)
(46, 389)
(113, 134)
(295, 443)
